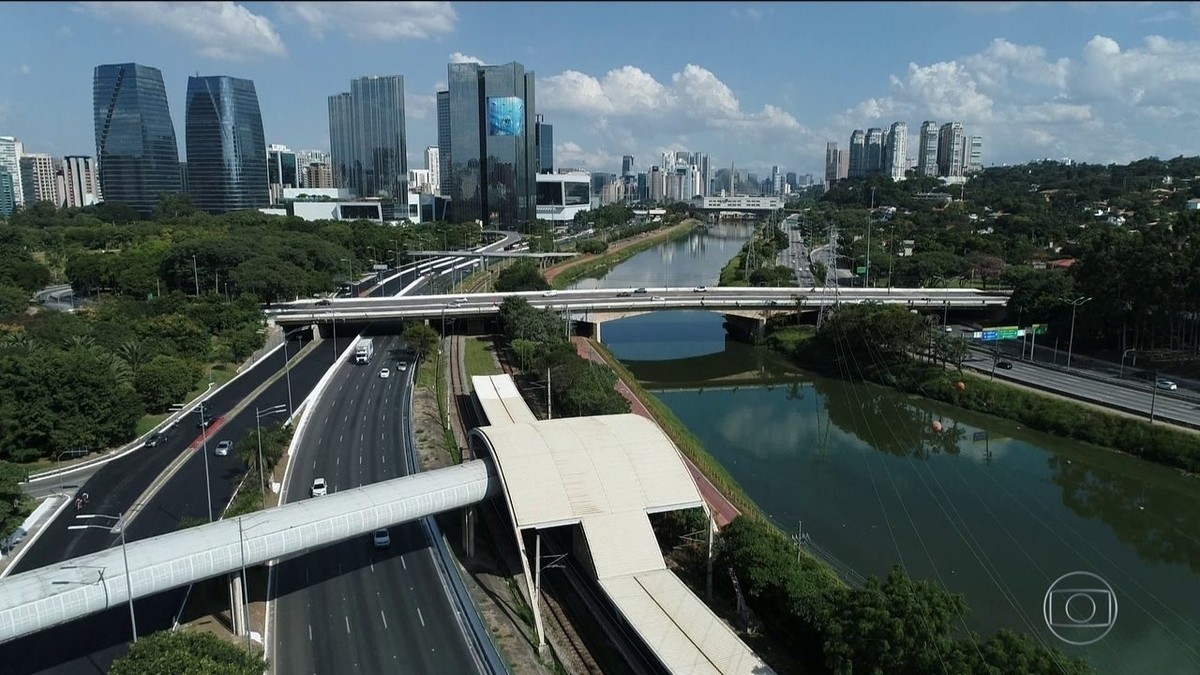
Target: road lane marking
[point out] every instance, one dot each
(348, 624)
(384, 619)
(342, 438)
(419, 616)
(401, 562)
(314, 464)
(384, 458)
(337, 461)
(310, 632)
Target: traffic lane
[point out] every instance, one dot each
(183, 496)
(1091, 390)
(89, 645)
(1131, 377)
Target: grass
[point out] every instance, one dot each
(731, 272)
(479, 359)
(606, 261)
(433, 379)
(685, 440)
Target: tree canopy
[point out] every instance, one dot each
(185, 652)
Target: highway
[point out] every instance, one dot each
(796, 254)
(88, 646)
(351, 608)
(1117, 395)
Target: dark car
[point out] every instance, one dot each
(623, 294)
(324, 302)
(154, 439)
(1004, 365)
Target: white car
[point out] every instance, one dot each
(658, 298)
(700, 289)
(403, 367)
(384, 373)
(223, 448)
(1166, 384)
(549, 294)
(382, 539)
(319, 488)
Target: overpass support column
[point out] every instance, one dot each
(469, 531)
(237, 604)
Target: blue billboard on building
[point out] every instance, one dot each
(506, 116)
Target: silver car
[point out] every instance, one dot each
(223, 448)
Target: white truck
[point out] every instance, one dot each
(364, 350)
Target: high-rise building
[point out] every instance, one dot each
(8, 193)
(226, 146)
(283, 171)
(443, 132)
(545, 145)
(627, 165)
(657, 184)
(896, 159)
(643, 187)
(81, 182)
(38, 173)
(927, 152)
(10, 162)
(493, 145)
(434, 166)
(792, 180)
(183, 177)
(318, 176)
(951, 141)
(874, 151)
(858, 154)
(306, 157)
(973, 162)
(135, 139)
(367, 137)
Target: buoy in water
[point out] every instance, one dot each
(937, 426)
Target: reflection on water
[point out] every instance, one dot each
(694, 261)
(982, 506)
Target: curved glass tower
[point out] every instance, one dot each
(135, 140)
(226, 147)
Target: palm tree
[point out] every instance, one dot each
(134, 353)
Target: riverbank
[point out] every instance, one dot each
(562, 275)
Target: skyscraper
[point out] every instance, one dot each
(81, 182)
(874, 151)
(135, 139)
(927, 152)
(434, 166)
(367, 137)
(8, 193)
(443, 131)
(38, 179)
(493, 145)
(896, 159)
(831, 163)
(973, 162)
(283, 171)
(950, 150)
(545, 146)
(10, 162)
(627, 165)
(226, 147)
(858, 154)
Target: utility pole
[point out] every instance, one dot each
(867, 275)
(830, 291)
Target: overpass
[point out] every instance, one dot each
(599, 305)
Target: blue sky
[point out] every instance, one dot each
(751, 84)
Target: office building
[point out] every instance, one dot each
(974, 155)
(80, 182)
(627, 165)
(873, 162)
(367, 138)
(858, 154)
(283, 171)
(545, 145)
(39, 179)
(10, 162)
(136, 150)
(927, 150)
(306, 158)
(643, 187)
(560, 196)
(226, 146)
(951, 141)
(896, 157)
(443, 133)
(318, 176)
(434, 166)
(657, 184)
(493, 145)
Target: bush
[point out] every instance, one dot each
(591, 246)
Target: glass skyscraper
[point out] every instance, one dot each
(493, 145)
(226, 147)
(367, 138)
(135, 140)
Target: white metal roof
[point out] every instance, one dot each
(558, 472)
(680, 629)
(500, 400)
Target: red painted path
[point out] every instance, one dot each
(723, 511)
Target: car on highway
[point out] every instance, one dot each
(658, 298)
(1004, 365)
(700, 289)
(949, 329)
(223, 448)
(1166, 384)
(204, 422)
(382, 539)
(403, 366)
(157, 437)
(639, 290)
(459, 301)
(319, 488)
(624, 294)
(384, 373)
(549, 294)
(324, 302)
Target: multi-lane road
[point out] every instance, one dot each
(352, 608)
(89, 645)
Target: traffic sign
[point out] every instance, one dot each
(1040, 329)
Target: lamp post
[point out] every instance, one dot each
(867, 276)
(204, 422)
(58, 465)
(1071, 339)
(1123, 355)
(287, 371)
(120, 525)
(258, 415)
(245, 585)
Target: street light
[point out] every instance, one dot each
(58, 465)
(258, 415)
(119, 525)
(1123, 355)
(204, 422)
(1071, 339)
(287, 371)
(867, 276)
(245, 585)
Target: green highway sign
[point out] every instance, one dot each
(1040, 329)
(861, 270)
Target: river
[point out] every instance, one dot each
(982, 507)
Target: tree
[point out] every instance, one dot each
(184, 652)
(165, 380)
(13, 300)
(522, 276)
(12, 497)
(421, 337)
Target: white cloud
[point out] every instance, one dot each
(64, 31)
(419, 106)
(754, 14)
(459, 57)
(220, 30)
(377, 20)
(569, 155)
(24, 69)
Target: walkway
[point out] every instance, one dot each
(723, 511)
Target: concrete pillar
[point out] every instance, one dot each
(237, 604)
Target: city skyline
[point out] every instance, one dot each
(1107, 83)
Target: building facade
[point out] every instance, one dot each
(858, 154)
(951, 145)
(136, 149)
(80, 182)
(318, 176)
(974, 159)
(367, 138)
(927, 150)
(10, 163)
(341, 139)
(896, 157)
(226, 146)
(545, 146)
(283, 171)
(873, 162)
(493, 145)
(443, 132)
(8, 193)
(433, 165)
(39, 179)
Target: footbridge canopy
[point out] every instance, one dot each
(606, 474)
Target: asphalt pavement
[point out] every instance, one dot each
(796, 255)
(352, 608)
(89, 645)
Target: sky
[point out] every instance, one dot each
(753, 85)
